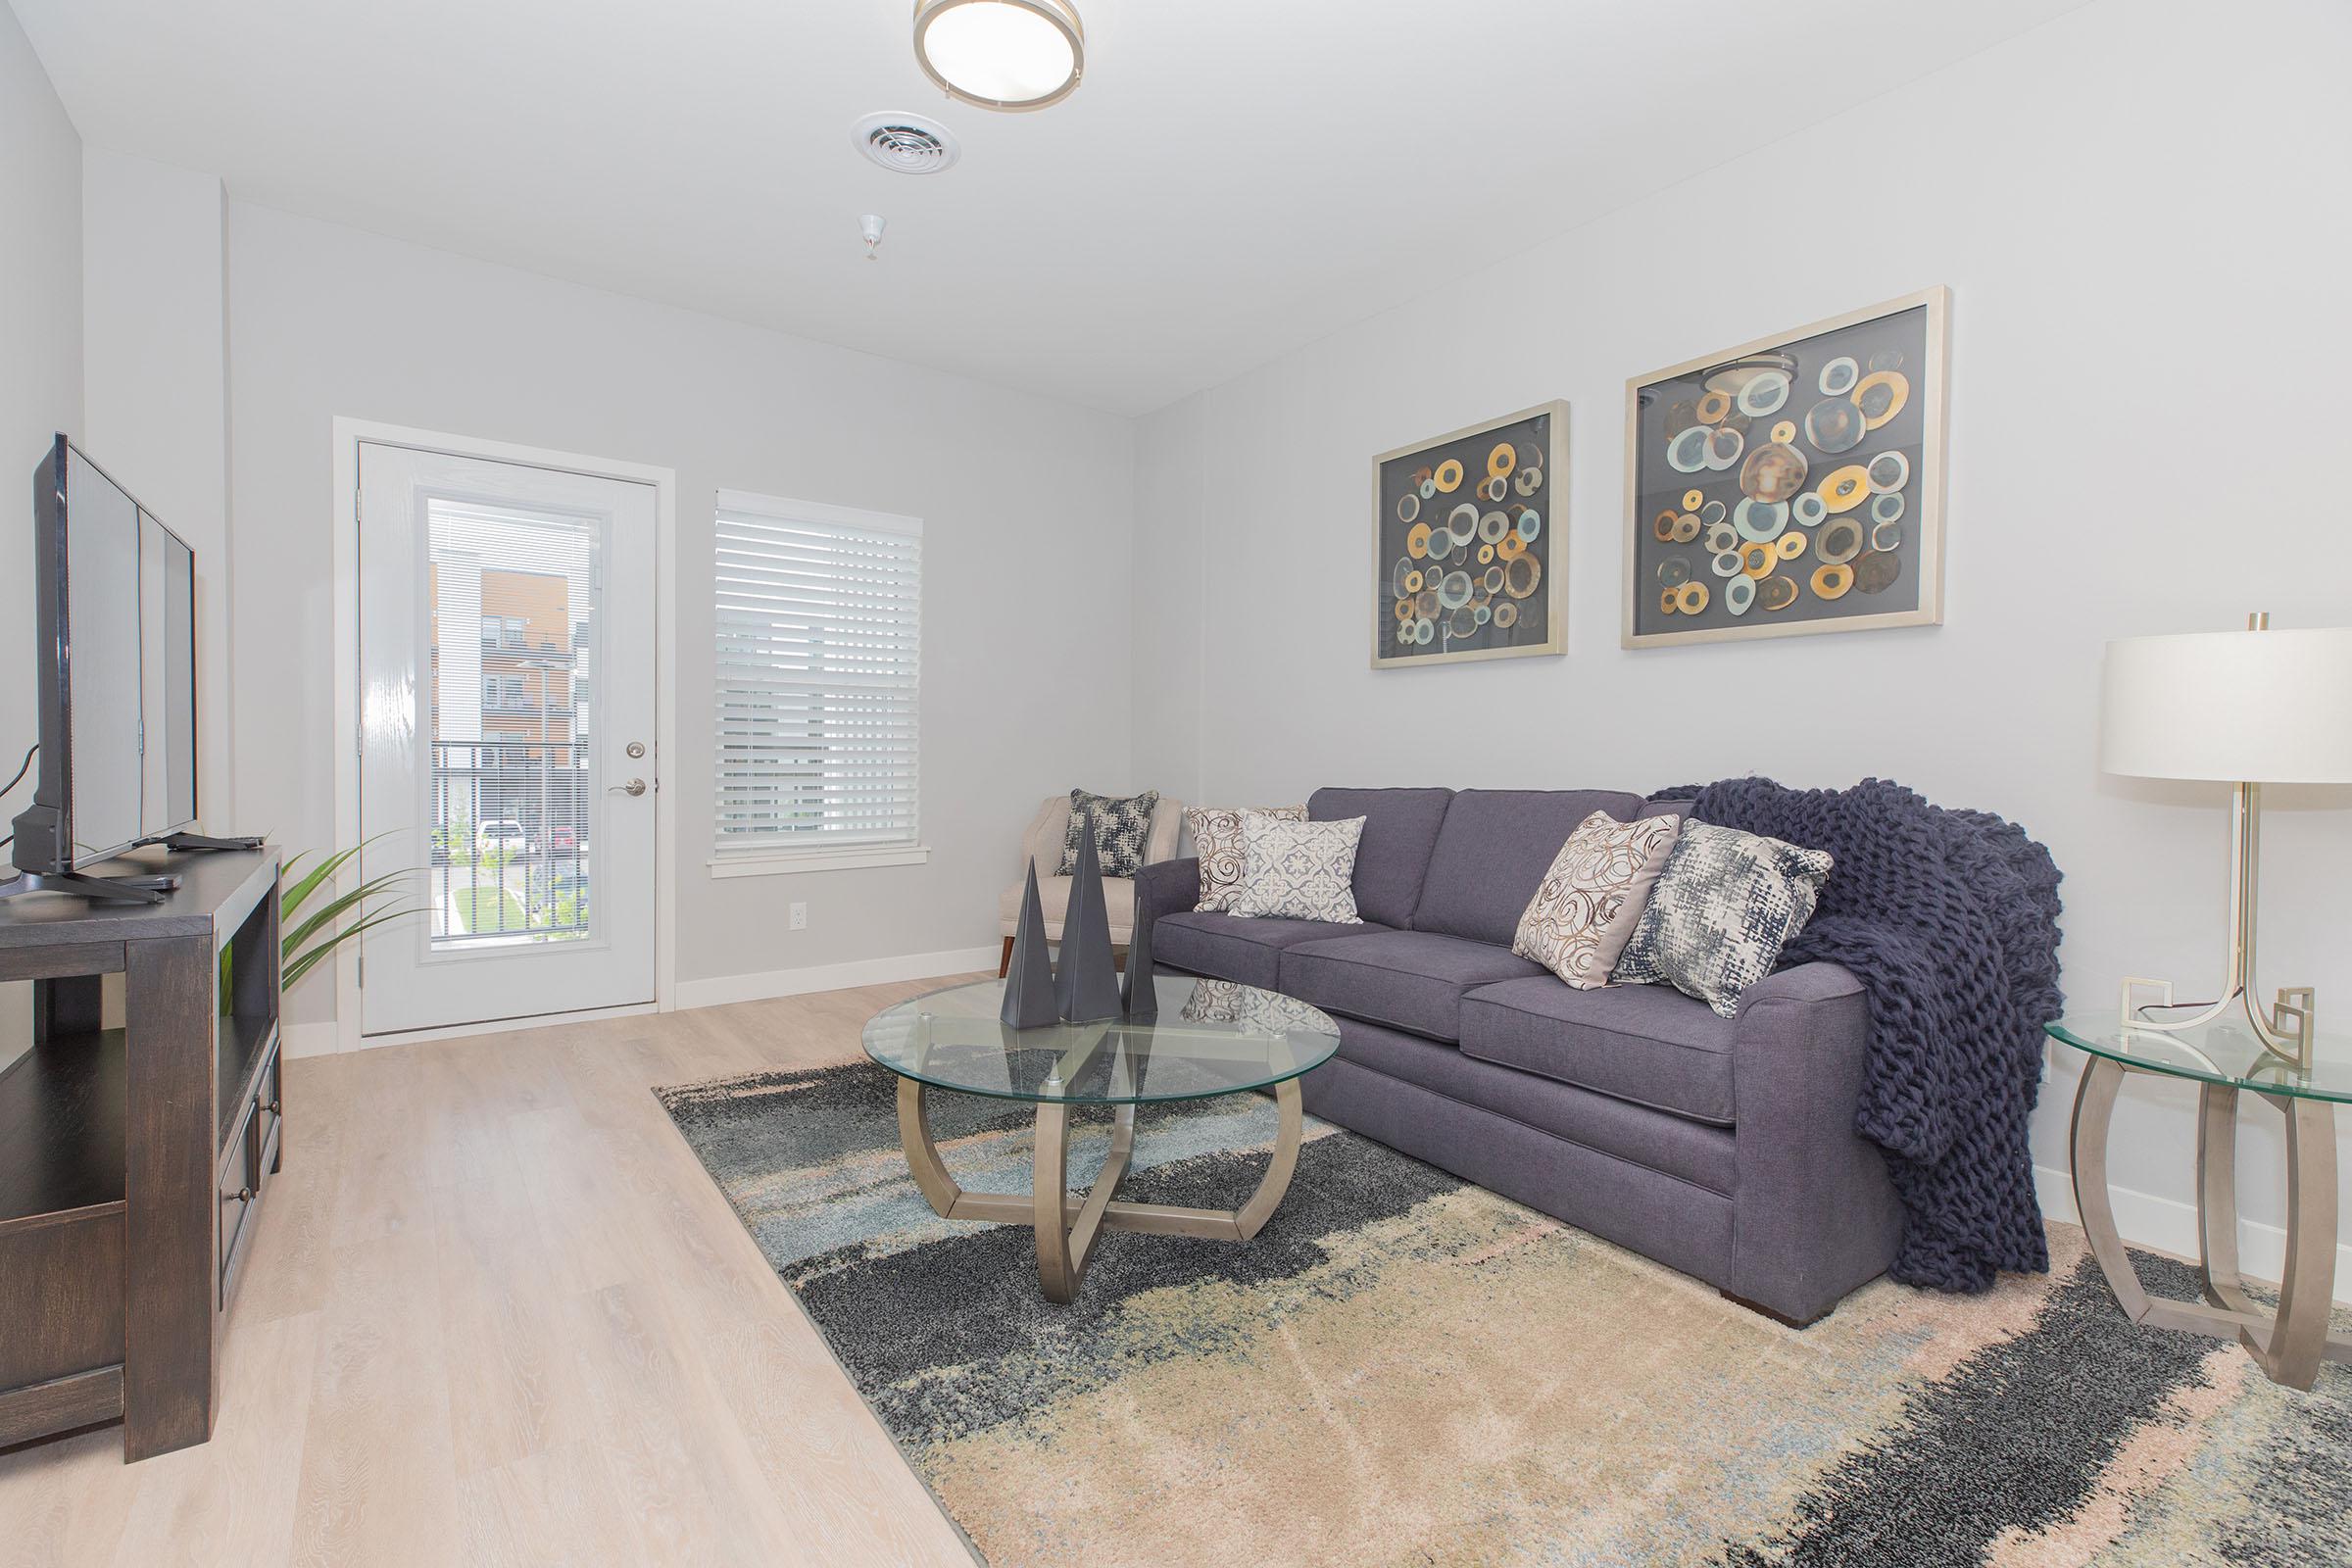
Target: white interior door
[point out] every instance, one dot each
(507, 719)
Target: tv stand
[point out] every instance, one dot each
(197, 843)
(136, 1160)
(105, 889)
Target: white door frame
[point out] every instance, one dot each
(348, 434)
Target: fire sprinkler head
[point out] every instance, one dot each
(870, 227)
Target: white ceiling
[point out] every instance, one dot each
(1235, 177)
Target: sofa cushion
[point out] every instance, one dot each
(1227, 946)
(1399, 827)
(1493, 851)
(1635, 1133)
(1647, 1044)
(1406, 979)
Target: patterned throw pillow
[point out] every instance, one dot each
(1217, 838)
(1121, 829)
(1582, 916)
(1726, 905)
(1299, 870)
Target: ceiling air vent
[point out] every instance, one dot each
(911, 144)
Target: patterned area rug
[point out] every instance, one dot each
(1406, 1369)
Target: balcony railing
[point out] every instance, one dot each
(510, 851)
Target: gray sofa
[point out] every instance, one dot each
(1722, 1146)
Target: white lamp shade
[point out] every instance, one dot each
(2243, 706)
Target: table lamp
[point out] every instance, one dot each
(2247, 709)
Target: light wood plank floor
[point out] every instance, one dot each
(496, 1313)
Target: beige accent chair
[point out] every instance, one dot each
(1042, 844)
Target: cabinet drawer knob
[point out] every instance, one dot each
(243, 1195)
(272, 1107)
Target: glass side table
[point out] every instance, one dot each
(2223, 1060)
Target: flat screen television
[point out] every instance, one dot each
(116, 623)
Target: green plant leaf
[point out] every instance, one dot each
(304, 964)
(325, 869)
(311, 880)
(364, 901)
(374, 887)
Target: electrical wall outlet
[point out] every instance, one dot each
(799, 918)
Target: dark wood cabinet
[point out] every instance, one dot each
(133, 1159)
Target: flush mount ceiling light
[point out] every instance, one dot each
(1001, 54)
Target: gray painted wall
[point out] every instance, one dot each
(40, 385)
(2144, 247)
(1026, 508)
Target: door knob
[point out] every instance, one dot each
(635, 786)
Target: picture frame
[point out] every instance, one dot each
(1474, 569)
(1853, 518)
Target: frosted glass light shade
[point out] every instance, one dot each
(1001, 54)
(2243, 706)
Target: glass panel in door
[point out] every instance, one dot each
(513, 803)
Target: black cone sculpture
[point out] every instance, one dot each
(1029, 1001)
(1139, 994)
(1087, 982)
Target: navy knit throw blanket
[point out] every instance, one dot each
(1951, 922)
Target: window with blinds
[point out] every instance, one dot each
(819, 649)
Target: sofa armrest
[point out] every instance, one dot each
(1816, 1213)
(1166, 887)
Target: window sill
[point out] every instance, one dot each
(790, 862)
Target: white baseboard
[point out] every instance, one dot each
(2168, 1225)
(324, 1039)
(501, 1026)
(832, 976)
(307, 1039)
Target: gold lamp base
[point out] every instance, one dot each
(2286, 1031)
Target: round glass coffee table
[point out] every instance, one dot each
(1210, 1036)
(2223, 1059)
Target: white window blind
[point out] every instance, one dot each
(819, 649)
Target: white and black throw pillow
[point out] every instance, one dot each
(1725, 905)
(1122, 827)
(1299, 870)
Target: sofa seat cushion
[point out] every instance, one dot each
(1411, 980)
(1651, 1045)
(1229, 946)
(1635, 1135)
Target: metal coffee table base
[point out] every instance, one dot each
(2287, 1346)
(1068, 1224)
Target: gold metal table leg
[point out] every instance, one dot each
(2216, 1197)
(2287, 1346)
(1067, 1230)
(2298, 1339)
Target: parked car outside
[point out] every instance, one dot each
(501, 836)
(562, 840)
